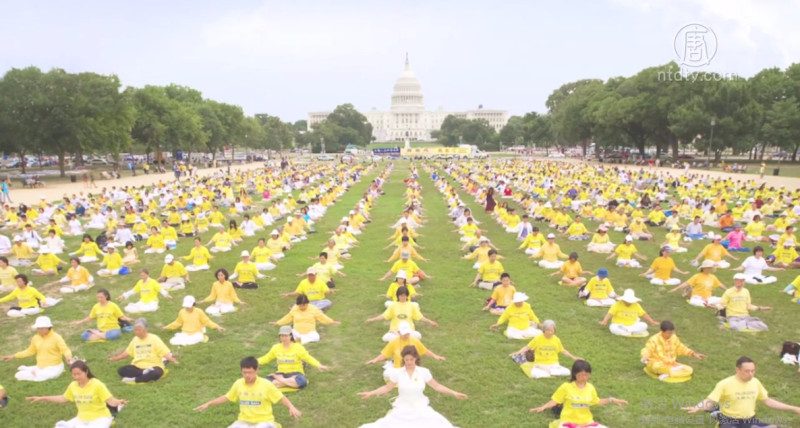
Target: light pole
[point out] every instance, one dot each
(710, 143)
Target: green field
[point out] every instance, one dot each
(477, 359)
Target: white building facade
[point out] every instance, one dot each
(407, 119)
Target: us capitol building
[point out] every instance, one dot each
(407, 119)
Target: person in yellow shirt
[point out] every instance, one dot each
(193, 323)
(304, 319)
(673, 240)
(89, 250)
(736, 306)
(223, 294)
(49, 348)
(533, 242)
(755, 230)
(112, 262)
(247, 273)
(91, 396)
(702, 285)
(291, 357)
(77, 277)
(155, 242)
(315, 289)
(199, 256)
(626, 254)
(468, 230)
(23, 253)
(660, 271)
(571, 272)
(736, 398)
(625, 316)
(577, 231)
(522, 322)
(405, 245)
(326, 270)
(148, 354)
(392, 352)
(599, 291)
(29, 300)
(48, 262)
(785, 256)
(715, 253)
(415, 274)
(255, 396)
(601, 242)
(488, 275)
(576, 397)
(148, 290)
(262, 256)
(402, 310)
(546, 348)
(550, 254)
(502, 296)
(174, 275)
(7, 274)
(660, 354)
(108, 316)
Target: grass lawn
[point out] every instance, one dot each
(477, 359)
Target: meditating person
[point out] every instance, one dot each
(660, 271)
(193, 323)
(702, 286)
(754, 266)
(736, 305)
(522, 322)
(601, 242)
(411, 408)
(222, 240)
(77, 278)
(199, 255)
(502, 296)
(29, 300)
(89, 250)
(599, 291)
(550, 254)
(532, 244)
(733, 401)
(262, 256)
(403, 310)
(7, 274)
(488, 275)
(91, 396)
(627, 253)
(291, 358)
(415, 274)
(155, 242)
(392, 350)
(571, 272)
(48, 262)
(314, 289)
(223, 294)
(112, 262)
(546, 348)
(304, 318)
(174, 275)
(660, 354)
(108, 316)
(625, 316)
(255, 396)
(399, 281)
(148, 290)
(148, 354)
(576, 397)
(247, 273)
(49, 348)
(714, 252)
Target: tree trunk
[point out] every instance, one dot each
(22, 164)
(62, 163)
(584, 146)
(673, 144)
(763, 149)
(658, 151)
(717, 156)
(794, 155)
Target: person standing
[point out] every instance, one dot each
(255, 396)
(736, 398)
(6, 196)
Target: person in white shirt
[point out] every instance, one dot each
(753, 268)
(5, 245)
(122, 235)
(53, 242)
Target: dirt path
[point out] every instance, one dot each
(59, 190)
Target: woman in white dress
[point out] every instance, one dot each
(411, 407)
(754, 266)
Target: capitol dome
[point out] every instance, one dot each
(407, 92)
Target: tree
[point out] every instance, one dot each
(21, 112)
(343, 126)
(278, 134)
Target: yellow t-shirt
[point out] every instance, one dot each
(391, 292)
(314, 291)
(394, 348)
(546, 350)
(48, 262)
(191, 322)
(261, 254)
(222, 293)
(737, 399)
(662, 267)
(78, 276)
(625, 314)
(148, 290)
(402, 311)
(173, 270)
(7, 275)
(599, 288)
(518, 317)
(199, 256)
(49, 350)
(304, 321)
(409, 266)
(246, 272)
(576, 402)
(28, 297)
(502, 295)
(112, 261)
(156, 241)
(255, 401)
(713, 252)
(148, 352)
(107, 316)
(571, 269)
(736, 302)
(625, 251)
(703, 284)
(490, 272)
(90, 400)
(289, 360)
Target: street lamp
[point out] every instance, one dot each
(710, 143)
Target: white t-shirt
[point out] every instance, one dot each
(753, 266)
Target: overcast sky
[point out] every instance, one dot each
(287, 58)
